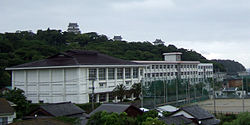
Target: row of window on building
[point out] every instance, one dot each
(205, 67)
(111, 73)
(176, 73)
(170, 66)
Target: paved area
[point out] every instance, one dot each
(229, 106)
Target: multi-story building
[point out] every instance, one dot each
(173, 68)
(73, 28)
(68, 77)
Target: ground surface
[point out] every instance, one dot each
(230, 106)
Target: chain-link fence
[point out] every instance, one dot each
(175, 92)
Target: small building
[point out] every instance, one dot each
(234, 82)
(7, 113)
(56, 109)
(118, 108)
(158, 42)
(177, 120)
(117, 38)
(73, 28)
(197, 114)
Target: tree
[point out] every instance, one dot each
(17, 96)
(136, 89)
(153, 121)
(242, 119)
(120, 91)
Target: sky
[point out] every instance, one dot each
(218, 29)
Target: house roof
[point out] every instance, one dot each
(210, 122)
(177, 120)
(167, 108)
(75, 58)
(197, 112)
(118, 108)
(5, 108)
(62, 109)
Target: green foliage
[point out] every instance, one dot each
(166, 114)
(70, 120)
(23, 47)
(104, 118)
(120, 91)
(136, 89)
(17, 96)
(153, 121)
(242, 119)
(88, 106)
(225, 118)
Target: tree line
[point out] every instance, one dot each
(25, 46)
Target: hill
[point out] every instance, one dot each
(22, 47)
(231, 66)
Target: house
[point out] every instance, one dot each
(7, 113)
(117, 38)
(73, 28)
(72, 75)
(177, 120)
(56, 109)
(197, 114)
(118, 108)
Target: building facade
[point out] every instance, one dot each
(173, 68)
(68, 77)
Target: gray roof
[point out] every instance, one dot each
(197, 112)
(210, 121)
(177, 120)
(76, 58)
(118, 108)
(5, 108)
(62, 109)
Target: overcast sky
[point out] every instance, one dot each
(218, 29)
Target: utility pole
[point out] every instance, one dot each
(93, 93)
(166, 90)
(243, 101)
(214, 97)
(142, 83)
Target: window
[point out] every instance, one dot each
(92, 73)
(3, 120)
(175, 66)
(111, 73)
(148, 74)
(141, 72)
(153, 66)
(127, 73)
(171, 66)
(168, 66)
(119, 73)
(102, 74)
(103, 84)
(156, 66)
(135, 72)
(160, 66)
(164, 66)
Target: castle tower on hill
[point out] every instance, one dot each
(73, 28)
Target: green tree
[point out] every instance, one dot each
(242, 119)
(17, 96)
(136, 89)
(120, 91)
(153, 121)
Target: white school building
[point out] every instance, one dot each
(68, 76)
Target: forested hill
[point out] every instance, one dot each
(231, 66)
(22, 47)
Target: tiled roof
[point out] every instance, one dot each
(5, 108)
(76, 58)
(177, 120)
(118, 108)
(197, 112)
(62, 109)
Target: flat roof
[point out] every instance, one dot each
(173, 53)
(167, 62)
